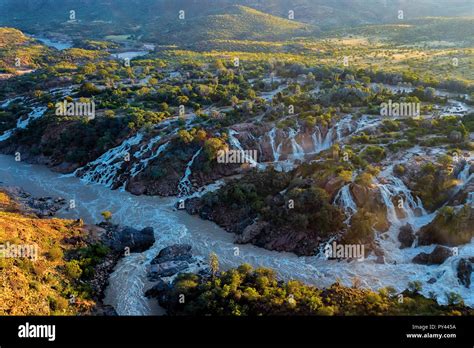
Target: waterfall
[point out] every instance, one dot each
(105, 169)
(275, 151)
(470, 199)
(23, 124)
(398, 189)
(317, 140)
(464, 175)
(236, 143)
(143, 160)
(297, 149)
(345, 200)
(343, 124)
(184, 186)
(327, 142)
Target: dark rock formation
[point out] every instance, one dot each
(437, 256)
(464, 272)
(177, 252)
(120, 237)
(39, 206)
(406, 236)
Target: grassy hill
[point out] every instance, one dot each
(15, 45)
(347, 13)
(230, 23)
(11, 37)
(426, 30)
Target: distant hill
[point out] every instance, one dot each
(230, 23)
(347, 13)
(16, 47)
(459, 30)
(216, 18)
(11, 37)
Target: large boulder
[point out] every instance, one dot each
(166, 269)
(371, 199)
(177, 252)
(158, 289)
(436, 257)
(120, 237)
(250, 232)
(452, 226)
(464, 272)
(406, 236)
(170, 261)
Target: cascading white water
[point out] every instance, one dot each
(233, 141)
(275, 150)
(343, 124)
(345, 200)
(36, 113)
(105, 169)
(464, 175)
(297, 149)
(317, 139)
(411, 207)
(143, 160)
(366, 122)
(185, 187)
(327, 142)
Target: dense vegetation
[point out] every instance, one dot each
(245, 291)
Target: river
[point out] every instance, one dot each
(128, 282)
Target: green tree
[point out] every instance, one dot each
(214, 264)
(107, 215)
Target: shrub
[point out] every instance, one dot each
(73, 269)
(55, 253)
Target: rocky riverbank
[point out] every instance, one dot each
(118, 240)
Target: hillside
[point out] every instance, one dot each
(46, 284)
(349, 13)
(430, 31)
(230, 23)
(18, 52)
(138, 16)
(11, 37)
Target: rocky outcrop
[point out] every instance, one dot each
(177, 252)
(39, 206)
(436, 257)
(451, 227)
(105, 311)
(120, 237)
(371, 199)
(406, 236)
(159, 288)
(251, 232)
(169, 262)
(464, 272)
